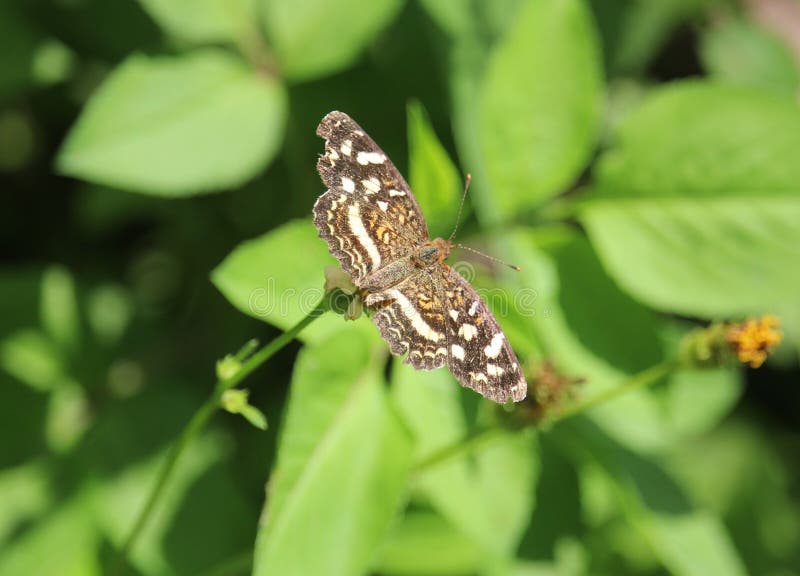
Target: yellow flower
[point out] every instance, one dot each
(753, 339)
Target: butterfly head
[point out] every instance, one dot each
(433, 252)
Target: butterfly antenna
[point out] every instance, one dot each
(492, 258)
(467, 180)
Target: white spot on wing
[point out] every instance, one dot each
(423, 328)
(467, 331)
(494, 347)
(457, 351)
(396, 193)
(333, 154)
(372, 185)
(357, 228)
(494, 370)
(473, 308)
(383, 205)
(454, 315)
(365, 158)
(348, 185)
(478, 377)
(346, 147)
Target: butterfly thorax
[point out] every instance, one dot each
(426, 255)
(431, 253)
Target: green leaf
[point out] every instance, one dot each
(634, 32)
(433, 176)
(452, 16)
(53, 62)
(696, 207)
(176, 126)
(488, 499)
(695, 401)
(738, 470)
(59, 308)
(203, 20)
(541, 104)
(575, 305)
(26, 494)
(424, 543)
(64, 542)
(31, 357)
(559, 512)
(119, 461)
(466, 21)
(591, 303)
(109, 310)
(265, 279)
(317, 37)
(68, 418)
(742, 53)
(342, 465)
(687, 541)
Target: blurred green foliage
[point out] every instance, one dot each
(639, 160)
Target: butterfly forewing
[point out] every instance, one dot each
(367, 200)
(373, 225)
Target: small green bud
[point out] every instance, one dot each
(228, 367)
(236, 402)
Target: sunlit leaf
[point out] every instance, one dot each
(264, 278)
(65, 542)
(697, 400)
(204, 20)
(342, 465)
(176, 126)
(559, 266)
(425, 543)
(433, 177)
(541, 104)
(744, 54)
(488, 498)
(25, 494)
(696, 206)
(317, 37)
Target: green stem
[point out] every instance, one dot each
(640, 380)
(482, 435)
(463, 446)
(199, 420)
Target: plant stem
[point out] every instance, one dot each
(463, 446)
(640, 380)
(482, 435)
(201, 417)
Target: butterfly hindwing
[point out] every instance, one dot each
(411, 318)
(479, 355)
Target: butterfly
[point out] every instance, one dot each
(422, 307)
